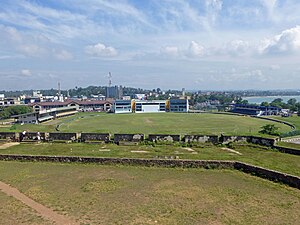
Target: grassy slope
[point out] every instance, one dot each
(289, 145)
(250, 154)
(135, 195)
(180, 123)
(295, 120)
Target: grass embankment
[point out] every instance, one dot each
(165, 123)
(252, 154)
(295, 120)
(288, 145)
(93, 194)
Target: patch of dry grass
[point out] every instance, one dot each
(94, 194)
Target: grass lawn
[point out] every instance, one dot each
(253, 154)
(288, 145)
(13, 211)
(93, 194)
(173, 123)
(295, 120)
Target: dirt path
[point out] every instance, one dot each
(139, 151)
(189, 149)
(231, 150)
(42, 210)
(9, 144)
(148, 121)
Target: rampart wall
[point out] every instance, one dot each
(272, 175)
(106, 137)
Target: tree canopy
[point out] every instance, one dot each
(9, 111)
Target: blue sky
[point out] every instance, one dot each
(207, 44)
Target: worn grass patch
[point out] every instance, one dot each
(138, 195)
(102, 185)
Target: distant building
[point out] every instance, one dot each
(93, 105)
(255, 110)
(44, 115)
(147, 106)
(9, 101)
(115, 92)
(98, 97)
(179, 105)
(122, 106)
(150, 106)
(28, 100)
(37, 94)
(26, 118)
(140, 96)
(96, 105)
(127, 97)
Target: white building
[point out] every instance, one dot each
(150, 106)
(145, 106)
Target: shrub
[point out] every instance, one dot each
(270, 129)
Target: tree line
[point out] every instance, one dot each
(7, 112)
(291, 104)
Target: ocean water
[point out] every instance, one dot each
(260, 99)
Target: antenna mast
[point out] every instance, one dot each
(109, 79)
(59, 91)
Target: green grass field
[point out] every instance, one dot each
(172, 123)
(252, 154)
(93, 194)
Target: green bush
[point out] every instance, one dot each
(13, 127)
(270, 129)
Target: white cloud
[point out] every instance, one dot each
(10, 33)
(237, 47)
(213, 8)
(26, 72)
(254, 76)
(117, 8)
(56, 24)
(63, 55)
(172, 51)
(31, 50)
(195, 50)
(286, 42)
(270, 5)
(21, 42)
(274, 67)
(100, 50)
(258, 75)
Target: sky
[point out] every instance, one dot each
(170, 44)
